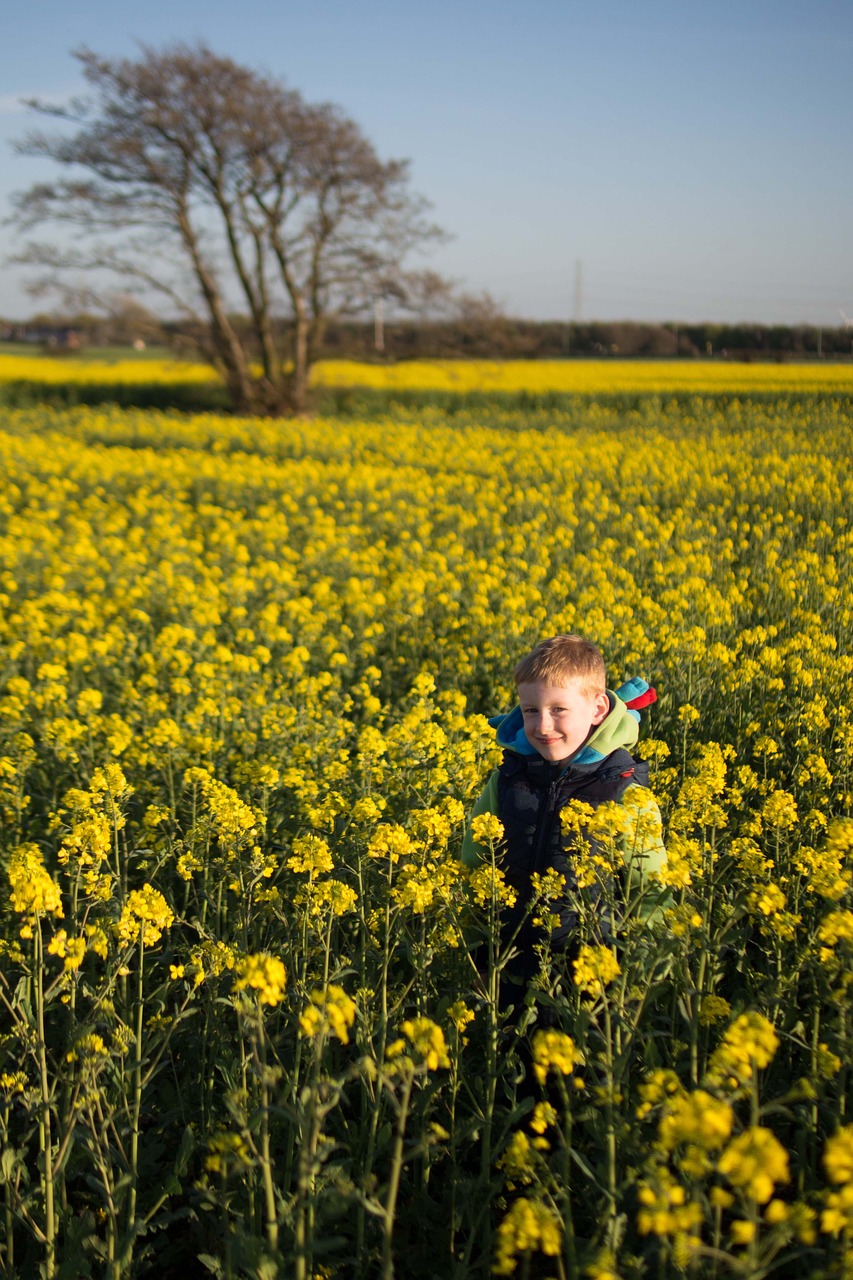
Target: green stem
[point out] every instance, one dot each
(755, 1108)
(266, 1161)
(718, 1232)
(842, 1075)
(9, 1213)
(310, 1131)
(610, 1129)
(97, 1128)
(370, 1149)
(137, 1101)
(394, 1180)
(45, 1138)
(815, 1042)
(569, 1247)
(454, 1155)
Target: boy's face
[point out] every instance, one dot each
(558, 718)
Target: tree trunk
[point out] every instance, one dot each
(231, 358)
(301, 365)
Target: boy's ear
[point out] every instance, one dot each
(602, 707)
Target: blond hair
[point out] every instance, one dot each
(563, 660)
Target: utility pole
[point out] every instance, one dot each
(578, 291)
(379, 325)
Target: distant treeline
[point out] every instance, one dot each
(503, 337)
(490, 335)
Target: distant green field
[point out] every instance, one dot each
(109, 354)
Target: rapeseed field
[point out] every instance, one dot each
(587, 377)
(495, 377)
(245, 669)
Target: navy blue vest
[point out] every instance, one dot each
(531, 794)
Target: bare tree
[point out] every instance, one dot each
(253, 214)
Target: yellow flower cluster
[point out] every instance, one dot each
(264, 974)
(594, 969)
(698, 1119)
(33, 890)
(329, 1011)
(749, 1043)
(528, 1226)
(666, 1210)
(488, 884)
(835, 928)
(311, 856)
(210, 960)
(713, 1009)
(390, 840)
(53, 371)
(426, 1044)
(144, 916)
(90, 1047)
(553, 1051)
(824, 870)
(837, 1217)
(487, 830)
(234, 821)
(516, 1160)
(754, 1162)
(71, 950)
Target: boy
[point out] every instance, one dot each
(568, 739)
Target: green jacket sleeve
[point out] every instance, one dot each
(487, 802)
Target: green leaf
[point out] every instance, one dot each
(213, 1265)
(187, 1147)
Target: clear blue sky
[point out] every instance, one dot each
(696, 158)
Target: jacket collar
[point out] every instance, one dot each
(619, 728)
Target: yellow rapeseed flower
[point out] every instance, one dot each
(553, 1051)
(330, 1010)
(75, 952)
(33, 890)
(697, 1118)
(489, 884)
(144, 916)
(543, 1117)
(528, 1226)
(754, 1162)
(516, 1161)
(311, 856)
(487, 830)
(264, 974)
(838, 1155)
(460, 1015)
(713, 1009)
(390, 840)
(427, 1040)
(666, 1209)
(749, 1043)
(594, 969)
